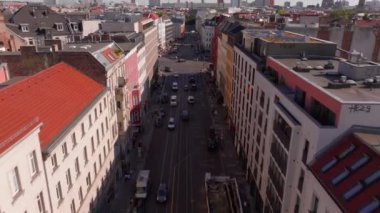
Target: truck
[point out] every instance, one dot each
(142, 184)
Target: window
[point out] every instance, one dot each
(75, 27)
(90, 120)
(329, 165)
(59, 26)
(30, 41)
(54, 161)
(299, 97)
(359, 163)
(300, 180)
(305, 152)
(105, 103)
(297, 206)
(97, 136)
(64, 150)
(73, 139)
(106, 123)
(100, 160)
(24, 28)
(85, 157)
(83, 131)
(322, 114)
(58, 190)
(109, 145)
(102, 130)
(96, 114)
(80, 194)
(14, 181)
(72, 206)
(68, 179)
(104, 151)
(100, 107)
(341, 176)
(95, 169)
(92, 145)
(77, 168)
(40, 203)
(314, 205)
(33, 163)
(88, 180)
(354, 190)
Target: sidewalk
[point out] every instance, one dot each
(233, 164)
(125, 189)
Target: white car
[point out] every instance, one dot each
(174, 86)
(173, 100)
(191, 99)
(171, 124)
(176, 75)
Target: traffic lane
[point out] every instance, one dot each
(160, 154)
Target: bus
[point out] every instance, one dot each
(142, 184)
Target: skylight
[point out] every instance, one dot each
(370, 207)
(346, 151)
(337, 179)
(328, 165)
(372, 178)
(353, 191)
(359, 163)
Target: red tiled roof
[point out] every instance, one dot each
(153, 16)
(363, 23)
(54, 96)
(339, 160)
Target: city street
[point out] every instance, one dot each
(180, 157)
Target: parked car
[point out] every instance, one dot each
(181, 60)
(191, 99)
(185, 115)
(171, 124)
(185, 88)
(158, 121)
(162, 193)
(167, 69)
(192, 80)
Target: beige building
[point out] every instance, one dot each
(73, 126)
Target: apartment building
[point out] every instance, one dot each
(296, 102)
(147, 27)
(58, 152)
(34, 24)
(229, 34)
(207, 33)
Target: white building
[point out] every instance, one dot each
(294, 110)
(207, 33)
(61, 146)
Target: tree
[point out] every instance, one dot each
(366, 17)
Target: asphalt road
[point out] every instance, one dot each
(180, 158)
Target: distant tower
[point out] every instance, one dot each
(327, 3)
(203, 2)
(235, 3)
(361, 4)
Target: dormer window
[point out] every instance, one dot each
(75, 26)
(24, 27)
(59, 26)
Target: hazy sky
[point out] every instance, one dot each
(307, 2)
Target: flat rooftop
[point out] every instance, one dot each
(321, 79)
(371, 139)
(277, 36)
(222, 195)
(84, 47)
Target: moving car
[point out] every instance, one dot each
(158, 121)
(191, 99)
(173, 100)
(174, 86)
(193, 87)
(171, 123)
(162, 193)
(185, 115)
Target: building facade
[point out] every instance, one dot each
(72, 156)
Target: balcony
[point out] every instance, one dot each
(121, 82)
(283, 134)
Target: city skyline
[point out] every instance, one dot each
(310, 2)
